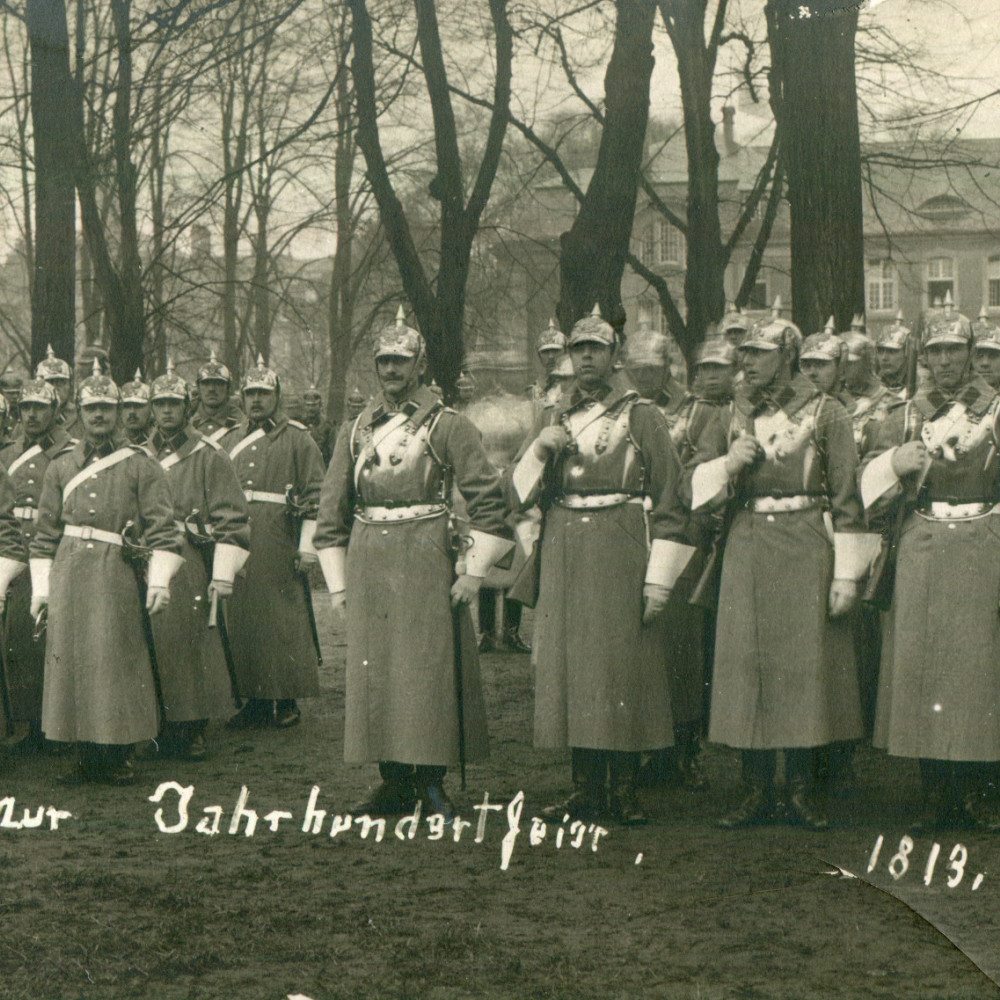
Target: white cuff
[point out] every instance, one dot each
(878, 478)
(227, 561)
(333, 562)
(306, 538)
(667, 560)
(527, 474)
(853, 554)
(9, 568)
(162, 567)
(528, 532)
(710, 479)
(484, 551)
(40, 577)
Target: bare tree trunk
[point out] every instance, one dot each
(53, 305)
(157, 179)
(594, 250)
(261, 266)
(821, 152)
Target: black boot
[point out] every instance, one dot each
(759, 804)
(981, 801)
(688, 751)
(31, 744)
(286, 713)
(589, 799)
(623, 801)
(396, 794)
(429, 783)
(255, 714)
(805, 802)
(940, 806)
(660, 769)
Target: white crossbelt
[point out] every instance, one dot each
(781, 505)
(260, 496)
(941, 510)
(407, 512)
(86, 532)
(594, 501)
(26, 513)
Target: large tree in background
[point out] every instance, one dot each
(438, 301)
(815, 103)
(52, 302)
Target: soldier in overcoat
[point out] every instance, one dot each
(613, 544)
(26, 458)
(216, 415)
(137, 417)
(210, 507)
(276, 461)
(387, 543)
(795, 550)
(935, 461)
(99, 689)
(59, 375)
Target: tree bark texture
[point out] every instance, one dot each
(814, 99)
(53, 313)
(595, 248)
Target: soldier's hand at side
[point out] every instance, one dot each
(37, 605)
(655, 598)
(220, 588)
(910, 457)
(157, 599)
(743, 451)
(303, 560)
(843, 597)
(464, 589)
(550, 441)
(338, 601)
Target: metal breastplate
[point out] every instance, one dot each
(604, 457)
(398, 468)
(790, 463)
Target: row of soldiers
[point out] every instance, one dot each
(167, 564)
(795, 499)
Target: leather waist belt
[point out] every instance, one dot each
(86, 532)
(259, 496)
(406, 512)
(26, 513)
(782, 505)
(594, 501)
(941, 510)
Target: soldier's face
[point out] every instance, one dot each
(822, 373)
(549, 360)
(312, 407)
(135, 416)
(761, 366)
(591, 363)
(715, 381)
(890, 361)
(213, 394)
(735, 335)
(987, 365)
(169, 415)
(948, 364)
(260, 403)
(397, 374)
(37, 418)
(63, 388)
(98, 419)
(855, 373)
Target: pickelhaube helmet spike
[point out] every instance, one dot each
(137, 376)
(96, 368)
(170, 365)
(899, 316)
(831, 326)
(776, 306)
(400, 315)
(49, 353)
(948, 301)
(596, 311)
(983, 314)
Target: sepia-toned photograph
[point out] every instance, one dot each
(497, 499)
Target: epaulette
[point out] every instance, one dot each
(296, 423)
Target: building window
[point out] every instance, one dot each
(646, 245)
(993, 282)
(647, 312)
(669, 243)
(758, 297)
(940, 280)
(880, 278)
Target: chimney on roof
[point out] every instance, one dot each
(728, 142)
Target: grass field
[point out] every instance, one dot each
(108, 906)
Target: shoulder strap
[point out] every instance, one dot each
(247, 441)
(99, 466)
(171, 460)
(35, 449)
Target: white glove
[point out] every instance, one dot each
(37, 604)
(221, 588)
(157, 599)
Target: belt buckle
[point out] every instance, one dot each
(248, 495)
(87, 532)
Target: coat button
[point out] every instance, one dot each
(253, 447)
(93, 496)
(31, 482)
(31, 465)
(252, 465)
(92, 511)
(770, 518)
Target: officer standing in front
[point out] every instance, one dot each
(388, 547)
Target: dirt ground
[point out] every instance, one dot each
(108, 906)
